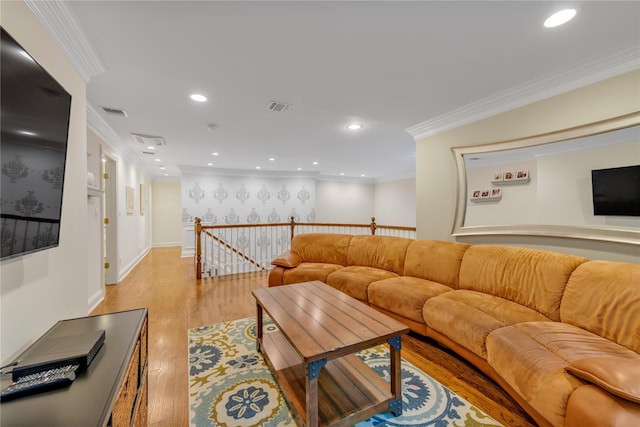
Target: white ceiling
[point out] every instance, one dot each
(396, 67)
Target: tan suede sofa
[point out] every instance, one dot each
(560, 333)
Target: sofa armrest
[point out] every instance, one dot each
(289, 259)
(618, 376)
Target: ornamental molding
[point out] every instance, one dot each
(60, 23)
(530, 92)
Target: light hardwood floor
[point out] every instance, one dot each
(165, 284)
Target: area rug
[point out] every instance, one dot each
(231, 385)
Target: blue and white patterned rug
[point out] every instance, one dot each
(231, 385)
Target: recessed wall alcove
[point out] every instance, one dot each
(544, 183)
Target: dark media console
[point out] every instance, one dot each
(111, 391)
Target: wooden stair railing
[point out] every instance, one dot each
(292, 225)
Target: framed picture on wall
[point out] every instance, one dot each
(498, 176)
(523, 175)
(476, 194)
(508, 176)
(496, 193)
(130, 198)
(484, 194)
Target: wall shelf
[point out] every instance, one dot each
(94, 191)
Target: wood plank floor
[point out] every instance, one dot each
(165, 284)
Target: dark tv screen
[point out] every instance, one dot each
(34, 127)
(616, 191)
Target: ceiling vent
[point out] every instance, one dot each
(149, 140)
(115, 111)
(278, 107)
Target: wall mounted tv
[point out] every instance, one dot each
(616, 191)
(34, 126)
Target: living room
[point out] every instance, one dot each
(68, 281)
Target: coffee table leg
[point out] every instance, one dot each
(395, 344)
(258, 326)
(311, 390)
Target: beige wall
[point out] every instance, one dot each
(436, 180)
(167, 214)
(39, 289)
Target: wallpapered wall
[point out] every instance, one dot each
(247, 200)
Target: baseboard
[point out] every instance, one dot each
(166, 244)
(95, 299)
(125, 271)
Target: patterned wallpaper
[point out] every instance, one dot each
(247, 200)
(32, 179)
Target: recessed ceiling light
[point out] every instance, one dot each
(299, 169)
(271, 159)
(197, 97)
(258, 167)
(209, 164)
(151, 147)
(158, 160)
(559, 18)
(315, 163)
(162, 168)
(362, 175)
(354, 126)
(166, 174)
(341, 173)
(214, 154)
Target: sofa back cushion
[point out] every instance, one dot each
(327, 248)
(383, 252)
(603, 297)
(435, 260)
(531, 277)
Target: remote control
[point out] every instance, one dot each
(40, 382)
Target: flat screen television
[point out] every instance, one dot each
(34, 126)
(616, 191)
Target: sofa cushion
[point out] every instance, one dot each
(329, 248)
(404, 295)
(616, 375)
(467, 317)
(308, 271)
(381, 252)
(435, 260)
(530, 277)
(603, 297)
(592, 406)
(354, 280)
(533, 357)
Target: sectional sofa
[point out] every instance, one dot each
(560, 333)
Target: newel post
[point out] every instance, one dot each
(373, 226)
(293, 226)
(198, 231)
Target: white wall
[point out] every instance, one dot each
(436, 179)
(167, 214)
(344, 202)
(39, 289)
(395, 203)
(134, 228)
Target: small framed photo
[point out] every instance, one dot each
(508, 176)
(496, 193)
(499, 176)
(475, 194)
(522, 174)
(484, 194)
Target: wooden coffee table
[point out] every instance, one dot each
(313, 354)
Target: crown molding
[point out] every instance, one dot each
(100, 127)
(56, 18)
(533, 91)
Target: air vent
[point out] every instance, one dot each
(148, 152)
(115, 111)
(278, 107)
(148, 140)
